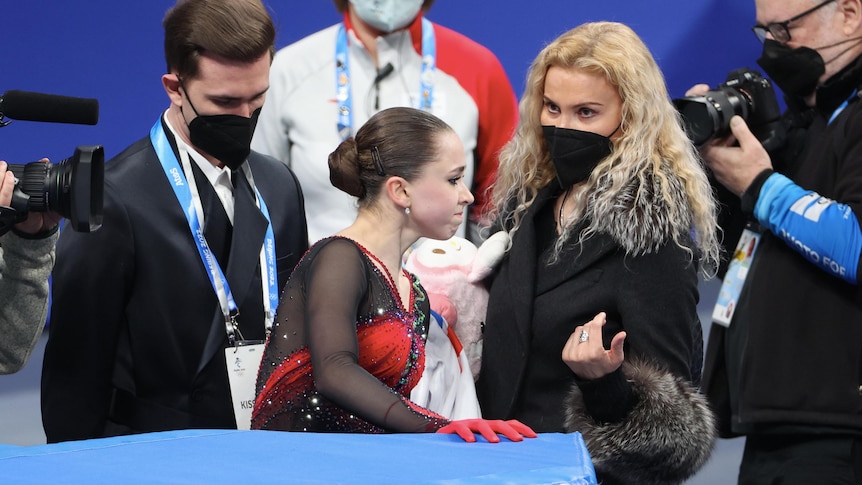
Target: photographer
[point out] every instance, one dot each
(785, 371)
(26, 259)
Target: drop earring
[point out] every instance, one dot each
(407, 210)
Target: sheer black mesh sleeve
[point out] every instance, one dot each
(332, 289)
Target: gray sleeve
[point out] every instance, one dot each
(25, 265)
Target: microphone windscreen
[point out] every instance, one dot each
(29, 106)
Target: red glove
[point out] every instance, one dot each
(488, 428)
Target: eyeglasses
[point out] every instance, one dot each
(779, 30)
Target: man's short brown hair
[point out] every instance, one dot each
(238, 30)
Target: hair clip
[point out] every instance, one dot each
(378, 162)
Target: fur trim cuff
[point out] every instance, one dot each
(665, 439)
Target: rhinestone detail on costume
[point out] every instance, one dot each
(391, 347)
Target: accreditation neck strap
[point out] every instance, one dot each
(840, 108)
(343, 94)
(187, 196)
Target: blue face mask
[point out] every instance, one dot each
(387, 15)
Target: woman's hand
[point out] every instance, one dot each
(585, 353)
(488, 428)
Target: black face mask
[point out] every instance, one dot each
(795, 71)
(225, 137)
(575, 153)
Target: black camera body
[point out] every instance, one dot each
(72, 188)
(745, 93)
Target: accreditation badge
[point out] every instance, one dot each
(243, 363)
(734, 279)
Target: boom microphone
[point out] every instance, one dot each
(29, 106)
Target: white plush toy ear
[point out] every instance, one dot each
(489, 254)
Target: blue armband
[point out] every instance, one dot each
(825, 232)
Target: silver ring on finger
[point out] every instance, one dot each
(583, 337)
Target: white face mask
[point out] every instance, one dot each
(387, 15)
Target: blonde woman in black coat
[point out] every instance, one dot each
(592, 323)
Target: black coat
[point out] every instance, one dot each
(136, 333)
(791, 360)
(645, 423)
(534, 308)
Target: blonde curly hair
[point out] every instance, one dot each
(653, 144)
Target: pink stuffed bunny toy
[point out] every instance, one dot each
(451, 272)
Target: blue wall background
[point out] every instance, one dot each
(112, 51)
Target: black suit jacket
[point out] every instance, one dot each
(136, 333)
(533, 308)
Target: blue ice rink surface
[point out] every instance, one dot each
(20, 422)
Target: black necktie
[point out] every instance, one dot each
(217, 227)
(243, 196)
(251, 317)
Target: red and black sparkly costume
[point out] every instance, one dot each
(344, 352)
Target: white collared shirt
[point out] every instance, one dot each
(219, 177)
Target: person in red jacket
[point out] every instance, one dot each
(383, 54)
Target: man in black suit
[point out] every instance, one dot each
(154, 310)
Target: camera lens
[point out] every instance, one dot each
(709, 115)
(33, 181)
(72, 188)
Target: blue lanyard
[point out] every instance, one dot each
(343, 93)
(839, 109)
(179, 182)
(429, 64)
